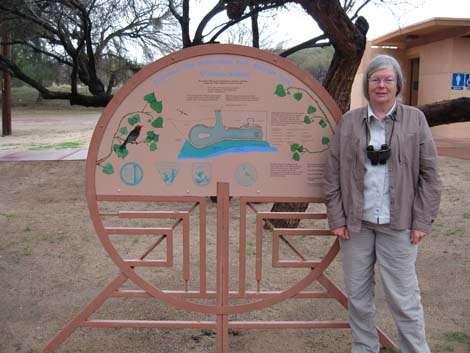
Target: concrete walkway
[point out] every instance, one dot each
(457, 148)
(44, 155)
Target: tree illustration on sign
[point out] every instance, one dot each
(311, 117)
(135, 128)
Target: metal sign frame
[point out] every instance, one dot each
(222, 301)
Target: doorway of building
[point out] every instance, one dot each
(414, 81)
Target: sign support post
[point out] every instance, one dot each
(223, 219)
(6, 87)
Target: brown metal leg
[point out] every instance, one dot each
(85, 313)
(223, 220)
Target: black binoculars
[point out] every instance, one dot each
(378, 157)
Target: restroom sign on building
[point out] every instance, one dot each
(460, 81)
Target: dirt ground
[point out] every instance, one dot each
(52, 265)
(42, 129)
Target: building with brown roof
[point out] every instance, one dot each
(435, 58)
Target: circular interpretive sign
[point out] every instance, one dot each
(215, 113)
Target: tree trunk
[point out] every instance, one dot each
(6, 87)
(254, 26)
(349, 41)
(447, 112)
(287, 207)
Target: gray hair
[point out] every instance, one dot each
(378, 63)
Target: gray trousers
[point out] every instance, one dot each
(395, 257)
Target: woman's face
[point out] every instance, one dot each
(383, 87)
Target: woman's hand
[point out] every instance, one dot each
(416, 236)
(341, 232)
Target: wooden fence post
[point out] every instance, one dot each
(6, 87)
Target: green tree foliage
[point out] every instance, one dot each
(36, 65)
(99, 41)
(315, 61)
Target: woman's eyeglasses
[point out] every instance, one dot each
(387, 81)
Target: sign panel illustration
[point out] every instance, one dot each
(215, 113)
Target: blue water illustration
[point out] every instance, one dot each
(226, 146)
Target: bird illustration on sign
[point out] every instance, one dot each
(134, 128)
(132, 137)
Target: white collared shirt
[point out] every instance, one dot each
(376, 178)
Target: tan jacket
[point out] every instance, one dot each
(415, 185)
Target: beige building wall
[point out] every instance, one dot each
(437, 61)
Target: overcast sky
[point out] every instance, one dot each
(382, 22)
(294, 26)
(381, 19)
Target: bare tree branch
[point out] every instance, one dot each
(254, 10)
(86, 35)
(198, 36)
(312, 43)
(79, 99)
(40, 51)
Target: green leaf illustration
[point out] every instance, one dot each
(158, 123)
(322, 123)
(108, 169)
(121, 152)
(157, 106)
(151, 136)
(296, 156)
(149, 98)
(307, 120)
(280, 91)
(153, 147)
(311, 109)
(123, 131)
(325, 140)
(294, 147)
(298, 96)
(154, 104)
(134, 120)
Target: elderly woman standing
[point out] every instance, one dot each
(382, 191)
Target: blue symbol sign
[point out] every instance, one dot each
(467, 81)
(458, 81)
(201, 173)
(131, 173)
(246, 174)
(168, 171)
